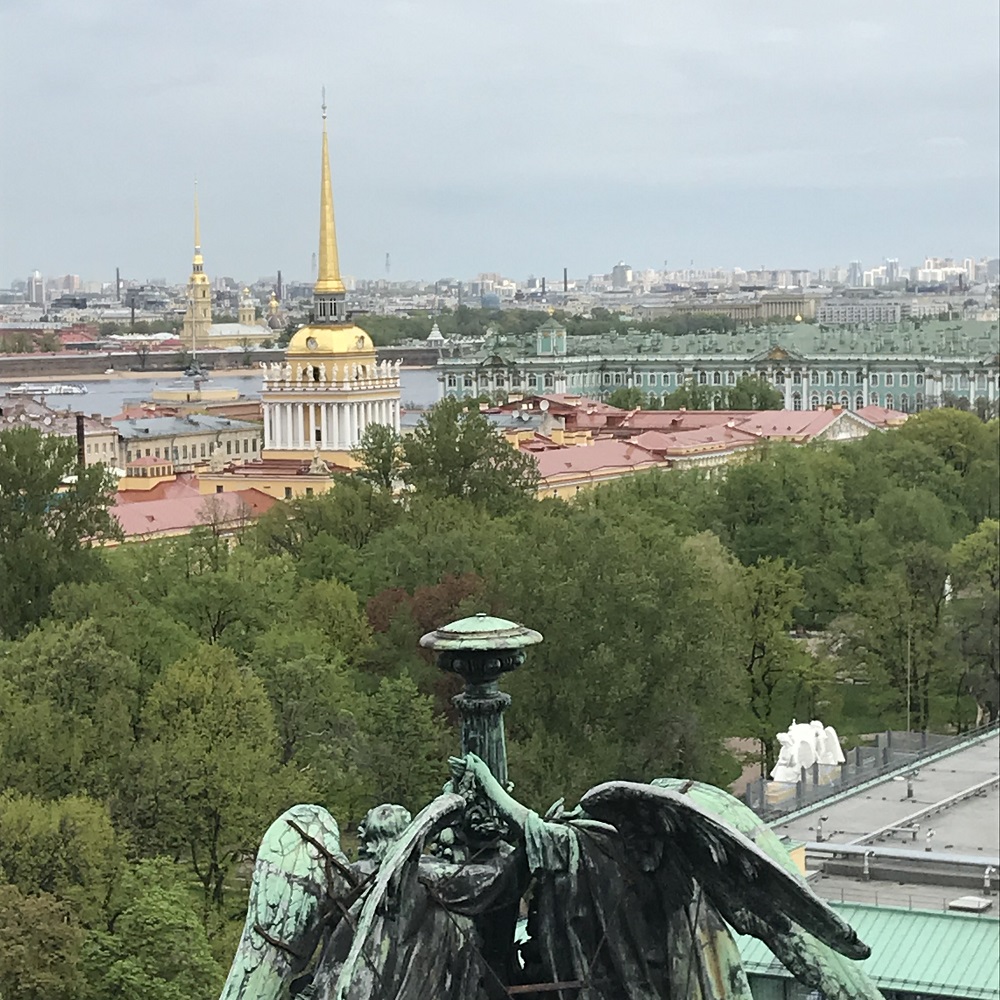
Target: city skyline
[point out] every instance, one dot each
(566, 134)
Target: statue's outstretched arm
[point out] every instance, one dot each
(299, 868)
(471, 768)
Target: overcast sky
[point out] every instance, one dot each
(518, 136)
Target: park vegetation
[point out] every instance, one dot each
(161, 703)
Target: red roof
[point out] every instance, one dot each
(179, 514)
(587, 459)
(184, 485)
(706, 439)
(882, 416)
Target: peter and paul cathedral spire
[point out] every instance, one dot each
(198, 315)
(329, 292)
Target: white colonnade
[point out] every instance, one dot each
(292, 426)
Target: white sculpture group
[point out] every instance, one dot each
(281, 371)
(803, 745)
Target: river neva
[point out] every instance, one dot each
(107, 396)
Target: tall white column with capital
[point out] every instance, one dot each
(324, 426)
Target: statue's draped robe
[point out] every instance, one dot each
(434, 942)
(598, 918)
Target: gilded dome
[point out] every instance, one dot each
(313, 340)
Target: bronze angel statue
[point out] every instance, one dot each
(632, 895)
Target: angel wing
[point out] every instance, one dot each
(754, 893)
(367, 969)
(802, 953)
(298, 866)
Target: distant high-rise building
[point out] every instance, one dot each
(35, 289)
(621, 276)
(891, 270)
(855, 274)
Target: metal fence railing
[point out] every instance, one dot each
(892, 751)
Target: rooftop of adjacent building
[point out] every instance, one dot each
(917, 952)
(179, 426)
(964, 822)
(179, 514)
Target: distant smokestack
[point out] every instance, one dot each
(543, 286)
(565, 279)
(118, 285)
(81, 450)
(279, 286)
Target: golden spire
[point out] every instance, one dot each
(328, 279)
(197, 230)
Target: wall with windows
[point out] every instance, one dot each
(188, 450)
(905, 384)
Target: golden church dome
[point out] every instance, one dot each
(313, 340)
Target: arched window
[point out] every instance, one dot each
(873, 379)
(845, 378)
(717, 378)
(814, 378)
(829, 378)
(859, 402)
(607, 378)
(829, 399)
(904, 379)
(919, 401)
(796, 378)
(859, 377)
(888, 400)
(904, 403)
(888, 378)
(796, 400)
(618, 378)
(702, 378)
(814, 403)
(920, 380)
(467, 382)
(845, 403)
(547, 381)
(779, 378)
(730, 378)
(501, 380)
(452, 382)
(873, 399)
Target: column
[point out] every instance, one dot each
(267, 426)
(324, 428)
(349, 442)
(338, 426)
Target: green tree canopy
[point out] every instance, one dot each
(51, 513)
(456, 452)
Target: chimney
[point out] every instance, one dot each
(565, 279)
(543, 286)
(81, 449)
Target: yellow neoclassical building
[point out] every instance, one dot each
(330, 387)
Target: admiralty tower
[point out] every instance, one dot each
(330, 387)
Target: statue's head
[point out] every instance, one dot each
(380, 827)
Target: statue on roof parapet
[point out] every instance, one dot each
(629, 896)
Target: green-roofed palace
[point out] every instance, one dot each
(908, 367)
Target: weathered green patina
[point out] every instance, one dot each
(480, 649)
(631, 896)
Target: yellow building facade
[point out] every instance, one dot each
(330, 387)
